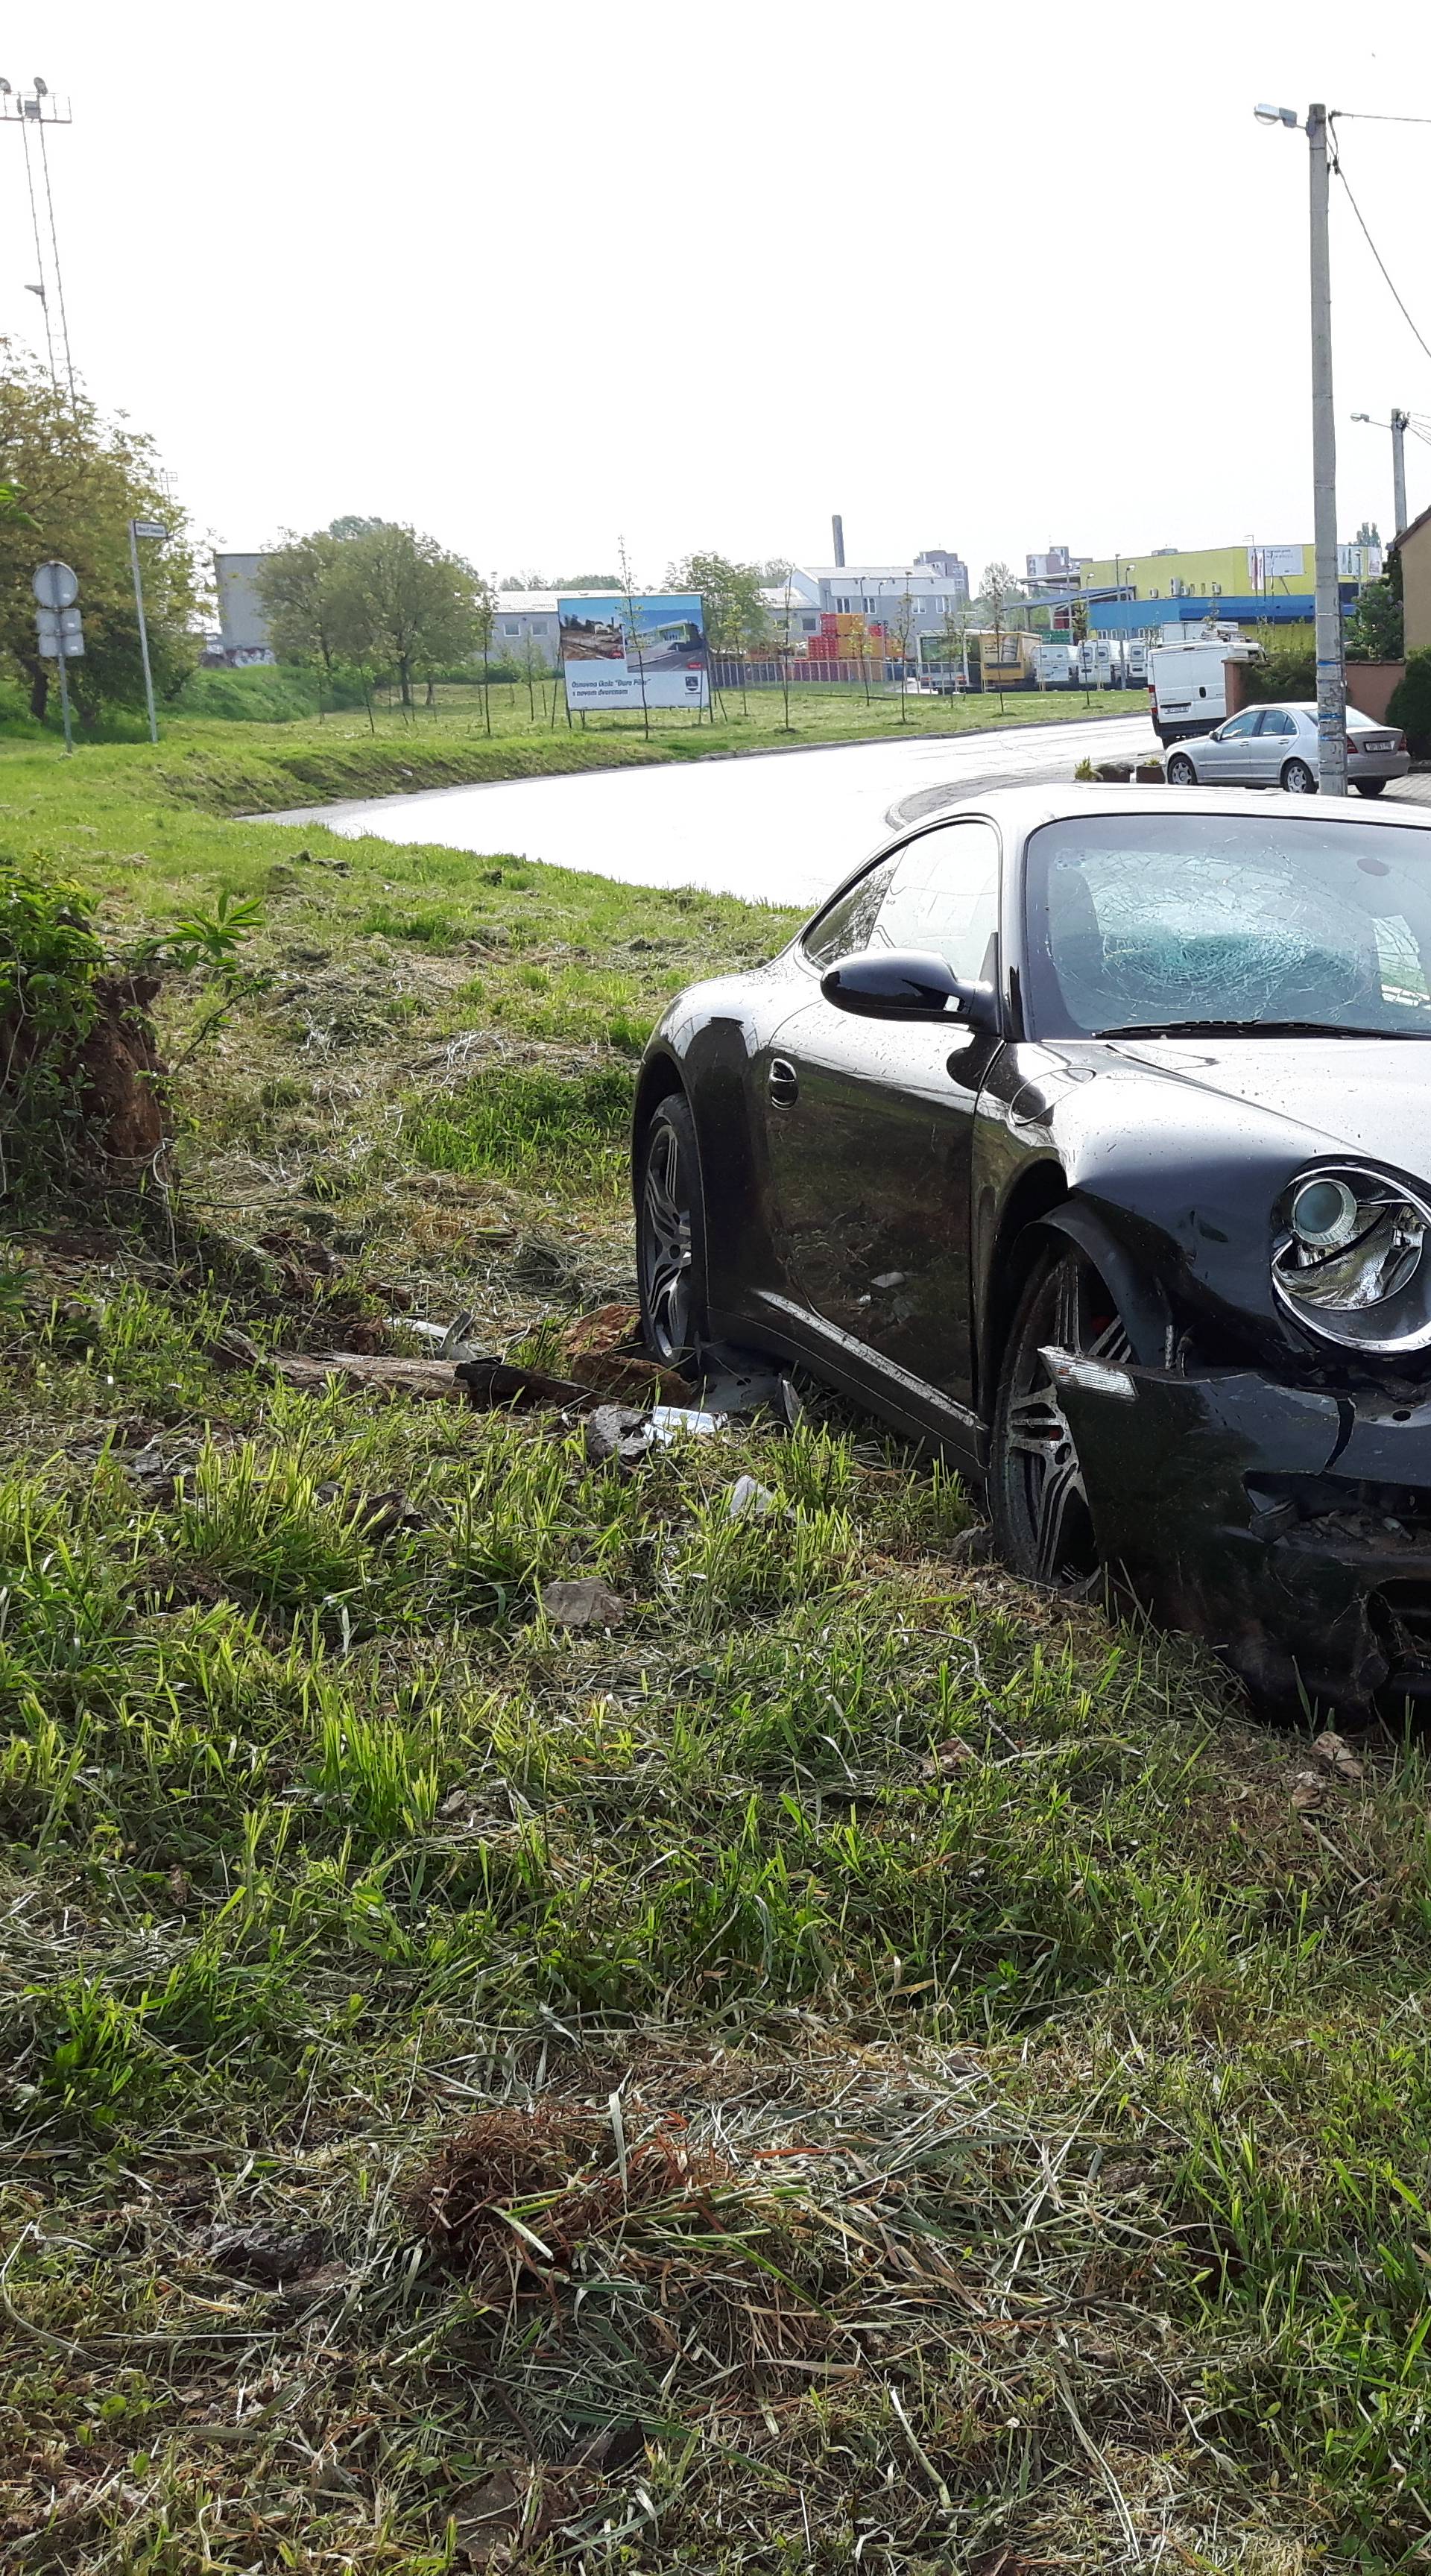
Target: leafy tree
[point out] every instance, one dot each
(1376, 626)
(401, 602)
(74, 481)
(296, 585)
(355, 527)
(607, 581)
(524, 581)
(732, 609)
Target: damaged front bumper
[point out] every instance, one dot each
(1289, 1527)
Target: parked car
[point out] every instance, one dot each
(1088, 1131)
(1276, 746)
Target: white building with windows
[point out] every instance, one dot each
(876, 592)
(526, 622)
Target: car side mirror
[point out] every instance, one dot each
(908, 984)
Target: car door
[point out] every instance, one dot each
(870, 1121)
(1224, 759)
(1275, 738)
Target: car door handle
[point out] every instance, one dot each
(784, 1082)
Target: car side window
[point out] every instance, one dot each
(1275, 721)
(944, 898)
(848, 926)
(1239, 726)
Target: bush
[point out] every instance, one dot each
(1288, 672)
(1410, 705)
(50, 961)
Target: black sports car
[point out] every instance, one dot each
(1089, 1131)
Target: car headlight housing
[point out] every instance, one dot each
(1351, 1259)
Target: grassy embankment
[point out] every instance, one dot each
(254, 766)
(1001, 2090)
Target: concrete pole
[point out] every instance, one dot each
(1331, 666)
(1399, 424)
(143, 632)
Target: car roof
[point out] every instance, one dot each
(1306, 707)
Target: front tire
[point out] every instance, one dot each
(1181, 772)
(670, 1234)
(1298, 779)
(1370, 786)
(1038, 1498)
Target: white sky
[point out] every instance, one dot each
(985, 276)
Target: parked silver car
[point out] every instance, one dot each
(1277, 747)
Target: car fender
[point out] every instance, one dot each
(1141, 1303)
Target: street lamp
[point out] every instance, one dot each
(1331, 664)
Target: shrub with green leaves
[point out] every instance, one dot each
(1410, 705)
(50, 958)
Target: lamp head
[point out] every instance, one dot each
(42, 89)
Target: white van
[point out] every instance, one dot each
(1187, 684)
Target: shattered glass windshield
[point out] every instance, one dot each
(1149, 921)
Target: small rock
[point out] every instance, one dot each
(1336, 1753)
(972, 1546)
(1307, 1791)
(946, 1757)
(266, 2254)
(583, 1602)
(617, 1432)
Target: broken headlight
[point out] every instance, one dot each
(1352, 1259)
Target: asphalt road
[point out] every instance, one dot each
(778, 827)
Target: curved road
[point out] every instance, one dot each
(776, 827)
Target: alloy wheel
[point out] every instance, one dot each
(1298, 780)
(1181, 772)
(1047, 1525)
(666, 1241)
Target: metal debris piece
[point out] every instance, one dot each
(748, 1500)
(1334, 1750)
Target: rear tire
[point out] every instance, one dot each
(1370, 786)
(1181, 772)
(1298, 780)
(671, 1234)
(1037, 1496)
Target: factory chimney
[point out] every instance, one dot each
(837, 531)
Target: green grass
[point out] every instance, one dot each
(1023, 2109)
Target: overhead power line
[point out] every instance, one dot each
(1371, 246)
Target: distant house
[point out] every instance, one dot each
(1414, 548)
(526, 621)
(243, 628)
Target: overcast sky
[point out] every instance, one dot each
(988, 277)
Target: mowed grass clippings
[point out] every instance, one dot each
(858, 2064)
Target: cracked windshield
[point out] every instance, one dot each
(1168, 921)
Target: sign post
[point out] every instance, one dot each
(61, 632)
(144, 528)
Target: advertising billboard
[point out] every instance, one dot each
(622, 654)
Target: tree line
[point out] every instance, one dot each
(375, 598)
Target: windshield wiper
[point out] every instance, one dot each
(1253, 1029)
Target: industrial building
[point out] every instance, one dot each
(243, 628)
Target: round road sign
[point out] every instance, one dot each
(55, 585)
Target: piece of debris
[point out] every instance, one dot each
(449, 1341)
(617, 1432)
(488, 2519)
(1336, 1753)
(267, 2254)
(493, 1382)
(605, 1350)
(971, 1546)
(737, 1381)
(675, 1421)
(1307, 1790)
(748, 1500)
(584, 1601)
(432, 1381)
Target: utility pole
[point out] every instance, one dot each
(144, 528)
(1400, 423)
(1331, 666)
